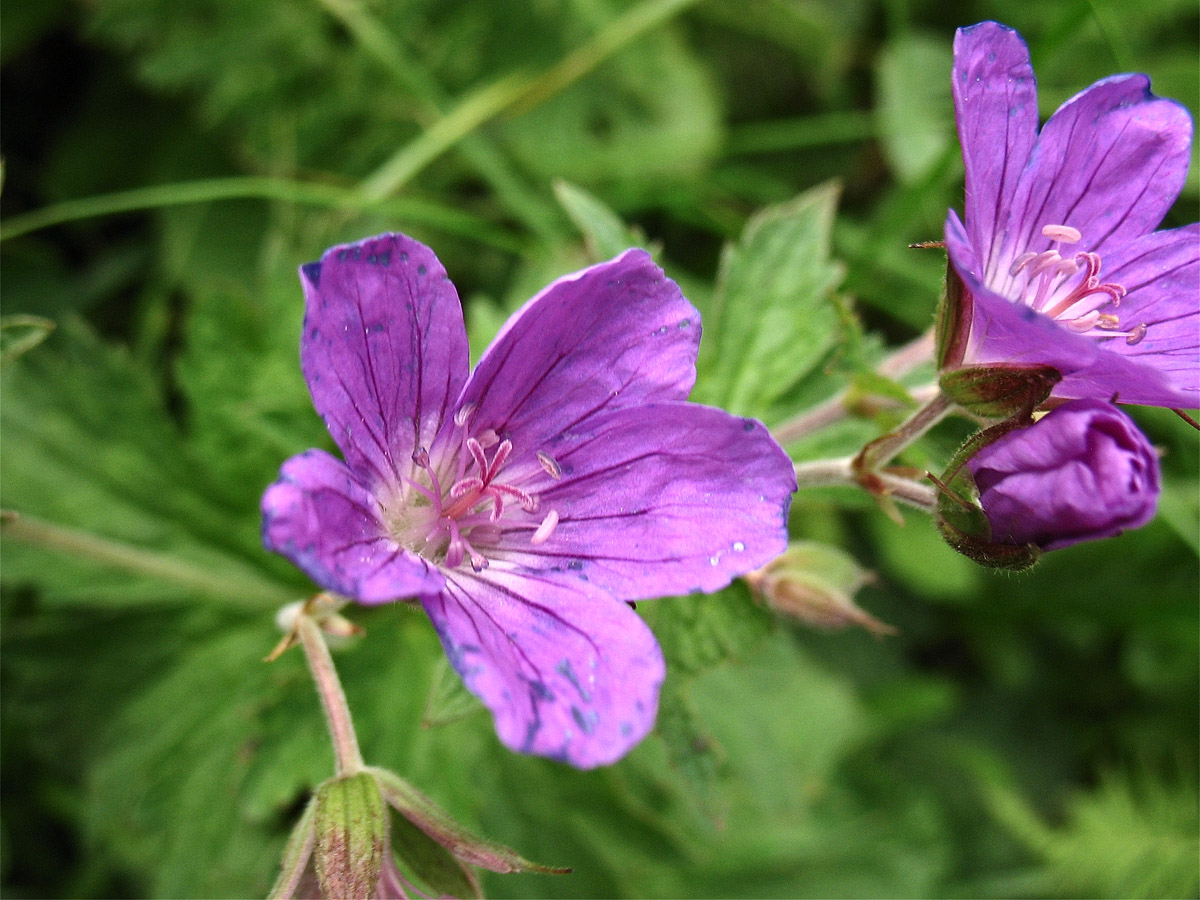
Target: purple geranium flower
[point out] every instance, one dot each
(524, 503)
(1058, 254)
(1082, 472)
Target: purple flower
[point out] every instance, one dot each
(1058, 253)
(525, 502)
(1082, 472)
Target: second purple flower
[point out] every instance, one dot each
(522, 504)
(1058, 252)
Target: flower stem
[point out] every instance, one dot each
(881, 451)
(345, 744)
(842, 471)
(899, 363)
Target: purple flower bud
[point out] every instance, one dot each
(1081, 473)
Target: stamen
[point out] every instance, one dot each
(464, 487)
(1108, 322)
(489, 439)
(1083, 323)
(529, 502)
(1019, 263)
(1135, 336)
(502, 453)
(545, 529)
(476, 451)
(463, 414)
(1063, 233)
(421, 457)
(550, 464)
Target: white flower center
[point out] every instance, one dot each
(1068, 288)
(460, 522)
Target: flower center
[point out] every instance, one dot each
(1068, 289)
(450, 521)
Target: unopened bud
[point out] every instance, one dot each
(815, 584)
(1080, 473)
(351, 836)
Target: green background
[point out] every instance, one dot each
(167, 165)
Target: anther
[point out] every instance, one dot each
(421, 457)
(1135, 336)
(1108, 322)
(489, 439)
(550, 464)
(463, 414)
(1064, 234)
(545, 529)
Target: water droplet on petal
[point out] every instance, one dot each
(738, 546)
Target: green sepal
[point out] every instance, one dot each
(428, 861)
(960, 517)
(437, 823)
(296, 855)
(351, 831)
(1010, 557)
(953, 323)
(1000, 391)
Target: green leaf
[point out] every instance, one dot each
(90, 450)
(697, 632)
(21, 333)
(774, 319)
(914, 110)
(603, 231)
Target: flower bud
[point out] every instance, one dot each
(1082, 472)
(815, 583)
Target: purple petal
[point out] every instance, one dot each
(1161, 273)
(567, 671)
(320, 516)
(995, 102)
(1110, 162)
(663, 499)
(1007, 332)
(384, 350)
(1081, 473)
(614, 335)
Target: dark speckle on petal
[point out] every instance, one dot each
(422, 271)
(312, 271)
(748, 425)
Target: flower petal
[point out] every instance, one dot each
(995, 103)
(611, 336)
(320, 516)
(384, 350)
(1110, 162)
(1007, 332)
(663, 499)
(567, 671)
(1161, 273)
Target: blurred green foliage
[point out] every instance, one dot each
(1021, 736)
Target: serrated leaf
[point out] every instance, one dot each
(774, 316)
(89, 448)
(698, 632)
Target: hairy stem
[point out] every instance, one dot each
(842, 471)
(333, 699)
(912, 355)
